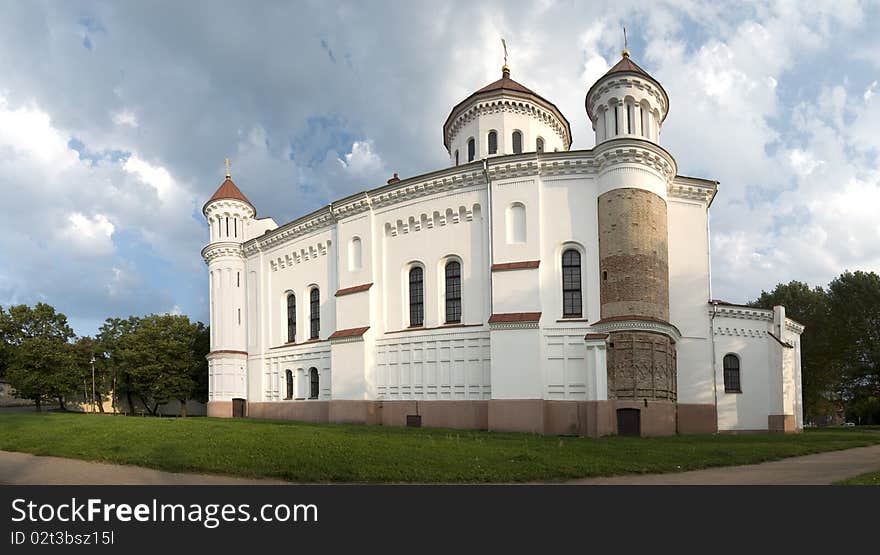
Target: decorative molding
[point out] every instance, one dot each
(299, 256)
(354, 289)
(596, 337)
(739, 332)
(742, 312)
(217, 250)
(435, 220)
(508, 266)
(637, 323)
(520, 106)
(514, 320)
(691, 191)
(794, 326)
(436, 328)
(350, 335)
(215, 354)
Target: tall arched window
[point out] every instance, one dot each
(291, 318)
(416, 296)
(493, 142)
(572, 303)
(313, 383)
(629, 119)
(288, 377)
(731, 374)
(516, 223)
(539, 145)
(355, 254)
(453, 292)
(472, 149)
(517, 142)
(315, 312)
(456, 157)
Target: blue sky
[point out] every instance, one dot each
(115, 119)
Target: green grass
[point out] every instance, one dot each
(324, 453)
(869, 479)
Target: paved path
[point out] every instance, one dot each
(819, 469)
(823, 468)
(23, 468)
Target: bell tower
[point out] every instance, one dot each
(229, 214)
(627, 107)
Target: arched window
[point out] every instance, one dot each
(291, 318)
(355, 251)
(539, 145)
(453, 292)
(644, 121)
(629, 119)
(731, 374)
(313, 383)
(472, 150)
(288, 377)
(315, 312)
(572, 305)
(516, 223)
(493, 142)
(616, 120)
(517, 142)
(416, 296)
(456, 157)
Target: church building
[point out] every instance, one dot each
(525, 287)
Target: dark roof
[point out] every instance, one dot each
(506, 84)
(627, 65)
(228, 190)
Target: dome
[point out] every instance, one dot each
(505, 107)
(229, 191)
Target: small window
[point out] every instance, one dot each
(313, 383)
(616, 121)
(416, 296)
(239, 316)
(471, 150)
(235, 226)
(517, 142)
(539, 145)
(288, 378)
(644, 123)
(571, 284)
(493, 142)
(453, 292)
(291, 318)
(731, 374)
(238, 279)
(219, 228)
(629, 119)
(315, 312)
(456, 157)
(227, 226)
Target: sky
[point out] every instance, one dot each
(115, 118)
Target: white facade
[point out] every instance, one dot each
(506, 219)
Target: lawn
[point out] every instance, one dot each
(325, 453)
(869, 479)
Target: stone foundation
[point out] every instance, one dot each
(697, 419)
(782, 423)
(641, 365)
(220, 409)
(548, 417)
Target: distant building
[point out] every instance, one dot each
(526, 287)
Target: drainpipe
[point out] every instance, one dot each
(714, 310)
(489, 213)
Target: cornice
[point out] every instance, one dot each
(743, 313)
(510, 103)
(637, 324)
(214, 251)
(689, 188)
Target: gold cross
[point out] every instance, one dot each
(228, 174)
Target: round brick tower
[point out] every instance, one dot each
(627, 107)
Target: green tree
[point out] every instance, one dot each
(112, 361)
(39, 356)
(159, 359)
(854, 334)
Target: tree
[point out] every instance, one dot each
(86, 350)
(854, 333)
(38, 353)
(108, 341)
(820, 377)
(159, 359)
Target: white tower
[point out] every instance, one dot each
(504, 117)
(627, 102)
(229, 214)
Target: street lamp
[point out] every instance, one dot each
(94, 407)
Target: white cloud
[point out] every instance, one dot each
(89, 235)
(125, 118)
(362, 160)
